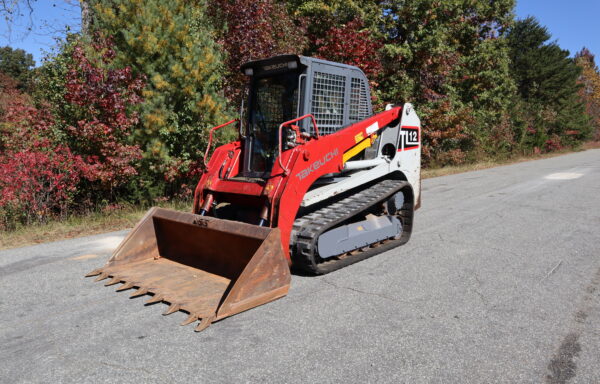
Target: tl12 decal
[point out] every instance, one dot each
(409, 138)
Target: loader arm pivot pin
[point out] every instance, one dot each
(207, 203)
(264, 216)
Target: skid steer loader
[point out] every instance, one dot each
(315, 182)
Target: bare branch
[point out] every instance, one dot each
(12, 10)
(22, 18)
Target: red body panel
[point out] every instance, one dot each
(283, 192)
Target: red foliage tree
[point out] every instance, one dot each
(38, 177)
(352, 44)
(37, 183)
(251, 30)
(8, 92)
(444, 132)
(590, 89)
(44, 160)
(104, 98)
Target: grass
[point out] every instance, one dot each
(101, 222)
(79, 225)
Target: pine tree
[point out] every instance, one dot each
(543, 70)
(172, 44)
(547, 81)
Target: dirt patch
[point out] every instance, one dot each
(591, 145)
(562, 367)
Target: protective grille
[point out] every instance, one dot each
(328, 101)
(270, 102)
(359, 103)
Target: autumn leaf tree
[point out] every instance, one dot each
(74, 156)
(590, 90)
(251, 30)
(353, 44)
(451, 60)
(320, 17)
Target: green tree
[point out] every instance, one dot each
(321, 16)
(547, 81)
(450, 58)
(17, 64)
(543, 71)
(171, 43)
(49, 83)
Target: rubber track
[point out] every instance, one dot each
(308, 228)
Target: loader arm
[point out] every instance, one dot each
(279, 197)
(318, 157)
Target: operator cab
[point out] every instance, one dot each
(285, 87)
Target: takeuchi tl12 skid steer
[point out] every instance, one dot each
(315, 182)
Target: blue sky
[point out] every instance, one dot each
(572, 23)
(49, 19)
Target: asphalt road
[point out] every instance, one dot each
(499, 283)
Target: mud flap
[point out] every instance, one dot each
(210, 268)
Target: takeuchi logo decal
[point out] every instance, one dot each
(317, 164)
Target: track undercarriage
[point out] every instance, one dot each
(377, 199)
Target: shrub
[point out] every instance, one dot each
(104, 98)
(37, 183)
(38, 177)
(54, 159)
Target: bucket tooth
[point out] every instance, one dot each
(115, 280)
(191, 318)
(172, 309)
(139, 292)
(204, 323)
(125, 287)
(95, 272)
(155, 299)
(102, 276)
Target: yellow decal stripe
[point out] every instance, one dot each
(358, 148)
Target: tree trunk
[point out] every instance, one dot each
(86, 17)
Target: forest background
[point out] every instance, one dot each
(117, 116)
